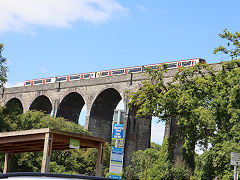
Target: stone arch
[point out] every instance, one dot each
(71, 106)
(14, 104)
(41, 103)
(103, 89)
(101, 113)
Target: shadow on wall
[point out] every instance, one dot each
(82, 117)
(158, 128)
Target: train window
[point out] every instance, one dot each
(172, 65)
(117, 72)
(61, 79)
(86, 76)
(38, 82)
(186, 63)
(28, 83)
(152, 67)
(135, 70)
(104, 73)
(77, 77)
(48, 80)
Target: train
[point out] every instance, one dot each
(113, 72)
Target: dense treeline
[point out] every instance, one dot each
(154, 163)
(206, 107)
(81, 161)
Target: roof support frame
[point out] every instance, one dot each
(47, 140)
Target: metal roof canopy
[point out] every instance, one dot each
(46, 140)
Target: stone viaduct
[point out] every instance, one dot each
(101, 96)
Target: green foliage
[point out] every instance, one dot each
(37, 120)
(14, 121)
(143, 161)
(155, 146)
(8, 119)
(154, 163)
(81, 161)
(185, 99)
(233, 44)
(3, 67)
(215, 163)
(204, 104)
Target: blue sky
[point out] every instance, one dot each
(44, 38)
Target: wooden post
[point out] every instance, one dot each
(7, 165)
(99, 162)
(46, 153)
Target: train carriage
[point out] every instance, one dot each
(114, 72)
(39, 81)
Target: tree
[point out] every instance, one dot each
(154, 163)
(3, 67)
(205, 104)
(81, 161)
(215, 162)
(182, 99)
(233, 43)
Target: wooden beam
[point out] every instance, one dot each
(87, 143)
(7, 164)
(12, 150)
(23, 143)
(83, 142)
(37, 144)
(99, 162)
(14, 139)
(46, 153)
(25, 132)
(21, 146)
(77, 136)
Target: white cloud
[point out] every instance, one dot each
(9, 85)
(21, 15)
(142, 8)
